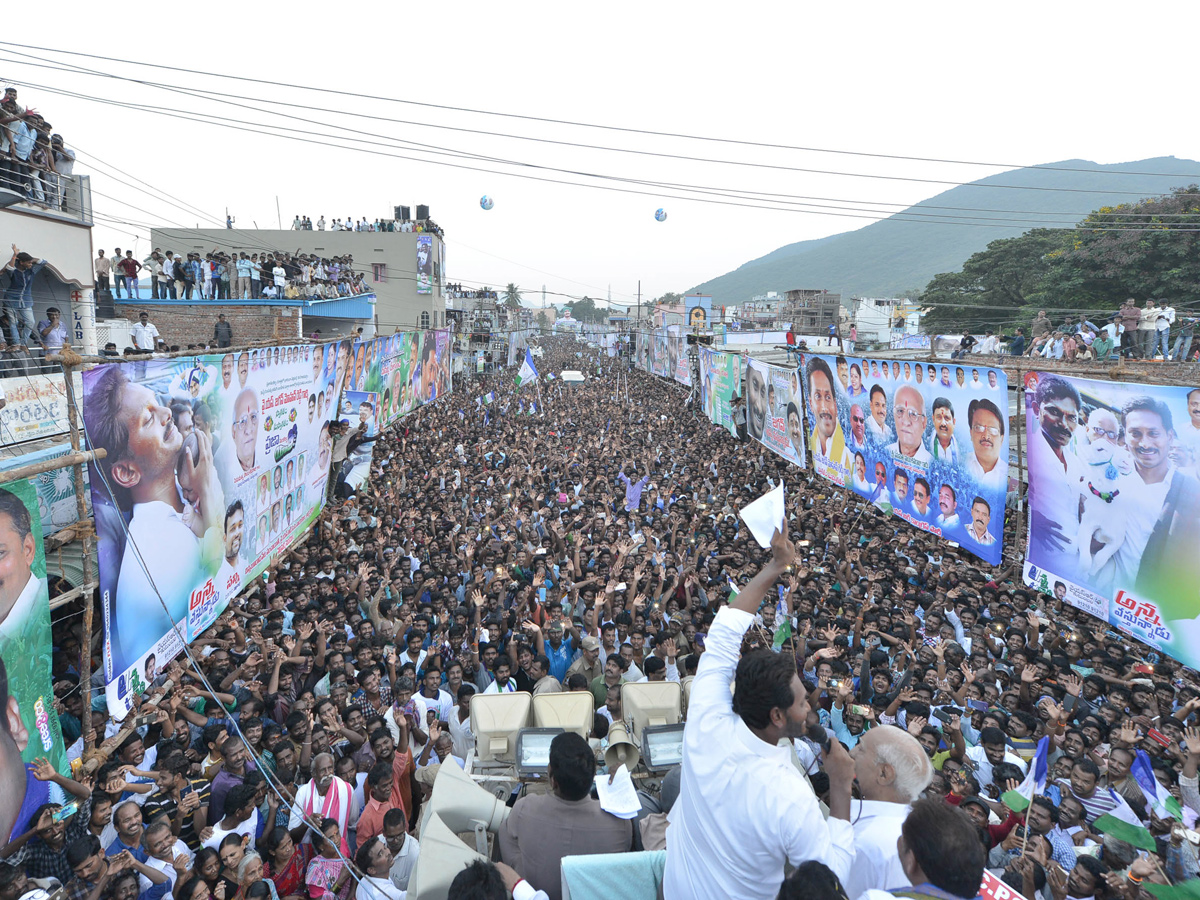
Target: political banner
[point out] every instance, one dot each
(25, 665)
(773, 409)
(360, 411)
(1114, 504)
(720, 384)
(927, 443)
(425, 264)
(679, 366)
(55, 489)
(35, 407)
(215, 465)
(406, 370)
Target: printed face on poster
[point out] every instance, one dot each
(424, 263)
(1114, 504)
(773, 409)
(406, 370)
(29, 726)
(214, 465)
(720, 384)
(927, 443)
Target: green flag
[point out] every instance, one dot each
(782, 633)
(1128, 832)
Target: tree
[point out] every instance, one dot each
(1150, 248)
(585, 310)
(1146, 249)
(543, 320)
(995, 285)
(512, 296)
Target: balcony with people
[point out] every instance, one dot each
(37, 167)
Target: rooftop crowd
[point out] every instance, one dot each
(348, 678)
(410, 226)
(1155, 330)
(229, 275)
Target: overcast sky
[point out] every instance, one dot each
(1016, 84)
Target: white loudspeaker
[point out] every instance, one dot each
(442, 857)
(621, 750)
(460, 803)
(568, 710)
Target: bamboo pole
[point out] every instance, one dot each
(85, 662)
(78, 458)
(1020, 429)
(64, 599)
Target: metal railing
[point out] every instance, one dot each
(67, 196)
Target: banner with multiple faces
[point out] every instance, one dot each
(406, 370)
(720, 385)
(928, 443)
(1114, 504)
(215, 464)
(773, 410)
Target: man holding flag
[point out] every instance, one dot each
(1041, 816)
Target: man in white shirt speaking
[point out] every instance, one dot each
(744, 809)
(891, 770)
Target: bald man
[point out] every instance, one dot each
(891, 771)
(908, 412)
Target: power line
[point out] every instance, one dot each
(257, 129)
(202, 93)
(577, 124)
(906, 214)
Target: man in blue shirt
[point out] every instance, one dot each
(18, 298)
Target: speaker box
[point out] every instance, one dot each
(422, 212)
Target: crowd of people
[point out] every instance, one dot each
(1155, 330)
(590, 545)
(229, 275)
(34, 161)
(457, 292)
(408, 226)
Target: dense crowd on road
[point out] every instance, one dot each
(593, 543)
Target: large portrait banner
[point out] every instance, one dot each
(1114, 504)
(29, 727)
(215, 465)
(720, 385)
(773, 409)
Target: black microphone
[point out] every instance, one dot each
(819, 736)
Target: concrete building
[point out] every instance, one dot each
(879, 319)
(60, 233)
(388, 260)
(812, 311)
(762, 311)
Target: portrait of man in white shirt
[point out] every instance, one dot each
(20, 591)
(162, 561)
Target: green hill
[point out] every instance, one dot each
(906, 250)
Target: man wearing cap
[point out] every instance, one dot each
(588, 664)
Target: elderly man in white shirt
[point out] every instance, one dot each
(744, 809)
(891, 771)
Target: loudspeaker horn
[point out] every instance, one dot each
(620, 750)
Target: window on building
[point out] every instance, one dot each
(424, 319)
(378, 272)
